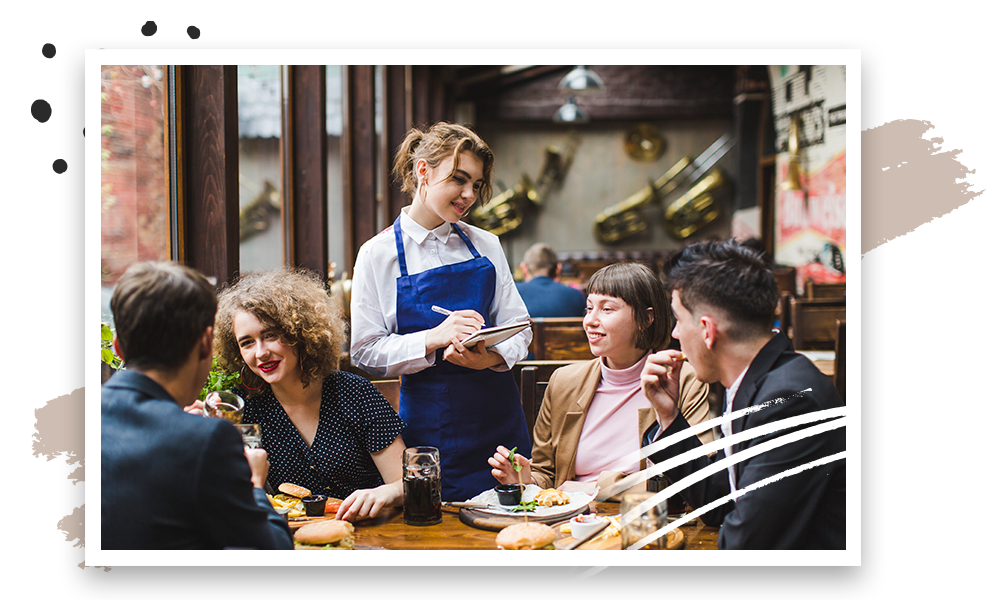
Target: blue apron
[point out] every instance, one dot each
(462, 412)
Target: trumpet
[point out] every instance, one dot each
(626, 218)
(696, 208)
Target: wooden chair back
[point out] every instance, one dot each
(840, 360)
(784, 278)
(815, 290)
(389, 389)
(814, 322)
(533, 377)
(559, 338)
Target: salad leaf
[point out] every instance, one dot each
(525, 506)
(510, 457)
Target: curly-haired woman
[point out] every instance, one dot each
(324, 429)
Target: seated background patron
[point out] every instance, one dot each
(542, 294)
(169, 479)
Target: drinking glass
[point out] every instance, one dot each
(251, 434)
(224, 405)
(421, 486)
(647, 522)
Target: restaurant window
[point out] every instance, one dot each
(259, 89)
(133, 190)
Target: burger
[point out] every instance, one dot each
(294, 490)
(526, 536)
(325, 535)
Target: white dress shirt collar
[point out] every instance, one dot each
(418, 233)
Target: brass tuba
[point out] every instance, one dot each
(696, 208)
(503, 212)
(627, 218)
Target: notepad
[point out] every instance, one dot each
(494, 335)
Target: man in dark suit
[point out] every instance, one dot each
(542, 294)
(169, 479)
(723, 298)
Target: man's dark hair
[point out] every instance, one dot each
(730, 277)
(160, 311)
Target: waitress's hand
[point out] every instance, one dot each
(472, 357)
(458, 326)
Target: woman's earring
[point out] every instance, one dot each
(243, 381)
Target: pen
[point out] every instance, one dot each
(438, 309)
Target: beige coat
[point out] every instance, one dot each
(564, 409)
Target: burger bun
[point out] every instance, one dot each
(526, 536)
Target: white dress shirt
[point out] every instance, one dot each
(727, 427)
(375, 345)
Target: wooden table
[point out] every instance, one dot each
(388, 532)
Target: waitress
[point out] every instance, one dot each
(462, 400)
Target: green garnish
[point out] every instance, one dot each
(525, 507)
(510, 457)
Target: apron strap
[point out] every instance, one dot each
(399, 247)
(465, 239)
(398, 232)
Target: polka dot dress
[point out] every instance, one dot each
(355, 421)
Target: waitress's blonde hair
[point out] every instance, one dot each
(438, 142)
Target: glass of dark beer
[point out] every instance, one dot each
(421, 486)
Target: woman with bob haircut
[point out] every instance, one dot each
(589, 425)
(329, 431)
(462, 400)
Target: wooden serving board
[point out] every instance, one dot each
(480, 519)
(604, 541)
(297, 522)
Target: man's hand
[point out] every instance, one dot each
(259, 465)
(660, 378)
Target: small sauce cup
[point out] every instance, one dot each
(509, 494)
(315, 505)
(583, 525)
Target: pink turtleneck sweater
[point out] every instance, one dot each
(610, 429)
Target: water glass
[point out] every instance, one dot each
(251, 434)
(649, 521)
(224, 405)
(421, 486)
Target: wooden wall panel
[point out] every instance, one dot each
(309, 168)
(211, 166)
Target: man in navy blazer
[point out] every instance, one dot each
(169, 479)
(723, 298)
(542, 294)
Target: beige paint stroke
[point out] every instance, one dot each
(906, 181)
(59, 432)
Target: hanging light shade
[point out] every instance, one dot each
(570, 113)
(581, 80)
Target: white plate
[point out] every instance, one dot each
(577, 500)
